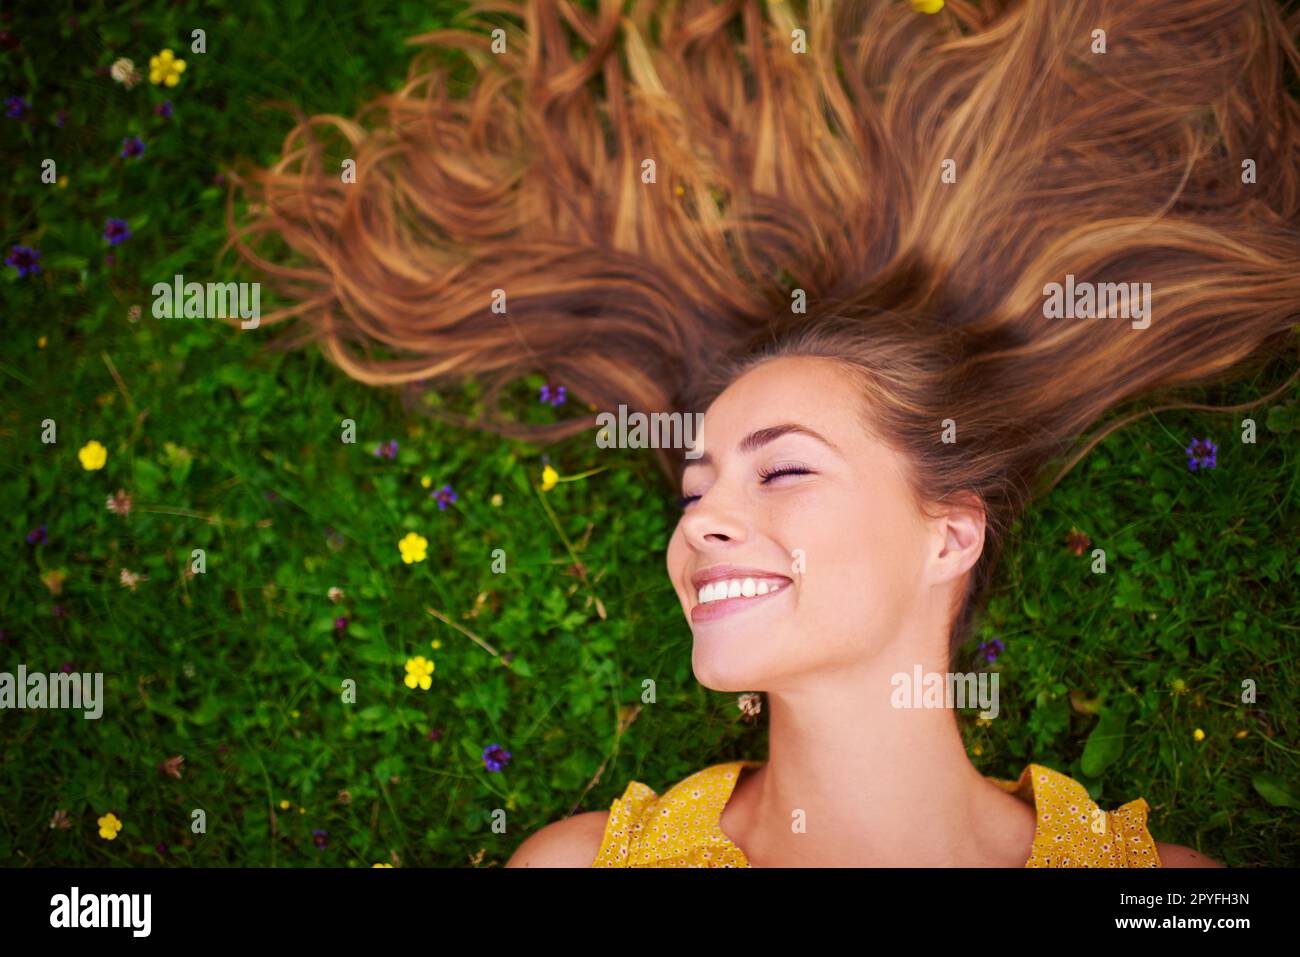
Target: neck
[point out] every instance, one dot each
(877, 784)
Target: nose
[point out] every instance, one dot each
(714, 519)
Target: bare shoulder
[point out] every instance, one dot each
(572, 842)
(1175, 855)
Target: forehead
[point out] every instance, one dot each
(814, 393)
(809, 391)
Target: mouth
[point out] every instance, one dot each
(724, 590)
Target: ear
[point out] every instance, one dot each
(958, 537)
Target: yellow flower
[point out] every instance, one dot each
(381, 865)
(413, 547)
(551, 478)
(927, 6)
(93, 456)
(1242, 734)
(285, 805)
(109, 825)
(426, 481)
(1198, 734)
(165, 68)
(436, 644)
(40, 343)
(977, 750)
(418, 670)
(496, 500)
(63, 181)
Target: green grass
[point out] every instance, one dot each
(231, 449)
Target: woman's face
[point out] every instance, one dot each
(826, 528)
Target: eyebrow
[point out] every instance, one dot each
(756, 440)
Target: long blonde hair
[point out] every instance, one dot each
(652, 203)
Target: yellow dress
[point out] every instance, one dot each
(681, 829)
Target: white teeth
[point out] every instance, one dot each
(737, 588)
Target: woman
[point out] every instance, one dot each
(901, 262)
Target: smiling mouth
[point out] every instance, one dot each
(727, 595)
(725, 588)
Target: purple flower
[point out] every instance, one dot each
(164, 109)
(60, 611)
(495, 758)
(37, 536)
(23, 258)
(990, 650)
(132, 146)
(445, 496)
(388, 451)
(553, 394)
(117, 231)
(435, 734)
(66, 667)
(16, 107)
(319, 838)
(161, 847)
(1201, 455)
(340, 624)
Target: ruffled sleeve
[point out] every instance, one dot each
(624, 822)
(1072, 831)
(1129, 824)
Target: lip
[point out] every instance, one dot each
(728, 606)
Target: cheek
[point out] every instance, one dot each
(676, 558)
(866, 544)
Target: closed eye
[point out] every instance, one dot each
(783, 470)
(767, 475)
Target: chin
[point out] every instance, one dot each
(728, 669)
(722, 680)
